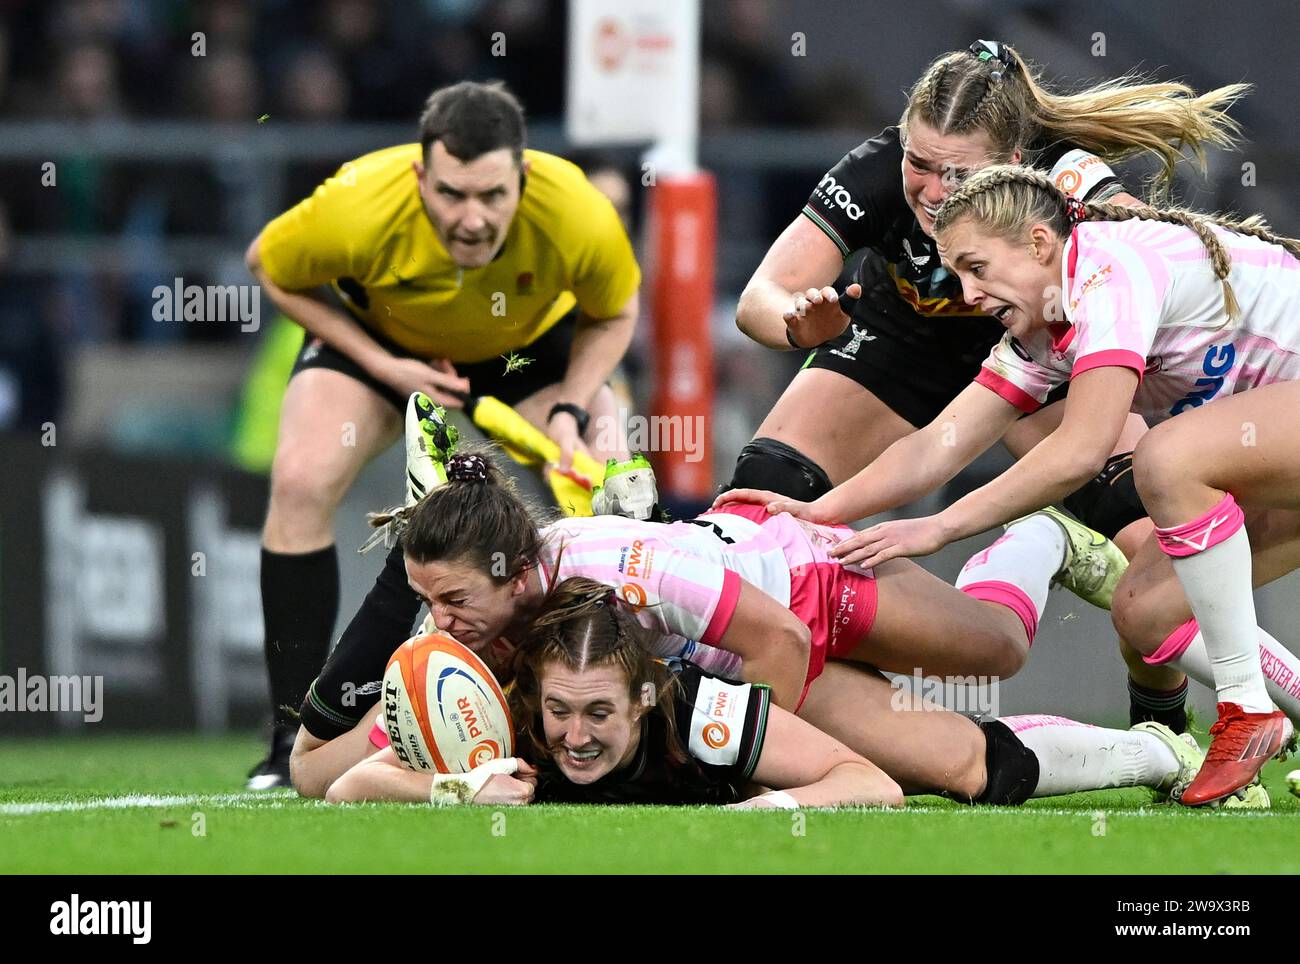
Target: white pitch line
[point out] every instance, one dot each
(263, 800)
(250, 800)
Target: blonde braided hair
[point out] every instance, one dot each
(1007, 199)
(960, 93)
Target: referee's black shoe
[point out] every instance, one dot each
(273, 772)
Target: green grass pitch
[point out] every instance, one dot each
(138, 804)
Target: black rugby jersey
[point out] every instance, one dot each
(859, 204)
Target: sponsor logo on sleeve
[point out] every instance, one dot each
(1078, 172)
(833, 192)
(717, 721)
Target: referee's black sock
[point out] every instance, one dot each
(1162, 706)
(300, 601)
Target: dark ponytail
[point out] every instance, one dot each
(476, 517)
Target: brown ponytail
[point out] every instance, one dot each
(476, 516)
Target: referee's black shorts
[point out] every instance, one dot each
(548, 360)
(916, 364)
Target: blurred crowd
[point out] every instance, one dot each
(364, 60)
(84, 63)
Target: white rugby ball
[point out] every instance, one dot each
(443, 708)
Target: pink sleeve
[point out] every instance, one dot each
(726, 608)
(1007, 390)
(689, 596)
(1008, 373)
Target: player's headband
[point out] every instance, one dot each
(987, 50)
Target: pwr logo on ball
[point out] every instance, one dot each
(443, 708)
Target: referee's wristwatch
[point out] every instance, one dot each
(580, 415)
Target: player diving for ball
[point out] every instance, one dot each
(446, 259)
(601, 720)
(768, 605)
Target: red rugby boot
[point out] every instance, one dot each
(1242, 743)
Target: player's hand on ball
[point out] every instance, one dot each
(436, 378)
(509, 791)
(891, 540)
(816, 315)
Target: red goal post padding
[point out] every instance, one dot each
(683, 237)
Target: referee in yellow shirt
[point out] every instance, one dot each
(443, 256)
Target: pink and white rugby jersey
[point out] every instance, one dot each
(1142, 295)
(683, 579)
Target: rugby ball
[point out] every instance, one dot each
(443, 708)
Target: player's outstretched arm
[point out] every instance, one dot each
(775, 299)
(316, 763)
(815, 770)
(383, 779)
(919, 463)
(1096, 414)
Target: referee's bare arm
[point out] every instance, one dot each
(598, 346)
(334, 327)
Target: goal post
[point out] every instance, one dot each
(633, 78)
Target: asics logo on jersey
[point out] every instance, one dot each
(920, 262)
(1218, 362)
(832, 191)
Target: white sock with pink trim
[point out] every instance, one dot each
(1185, 649)
(1074, 756)
(1016, 571)
(1211, 557)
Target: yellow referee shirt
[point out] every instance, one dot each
(365, 232)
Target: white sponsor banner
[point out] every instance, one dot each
(634, 76)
